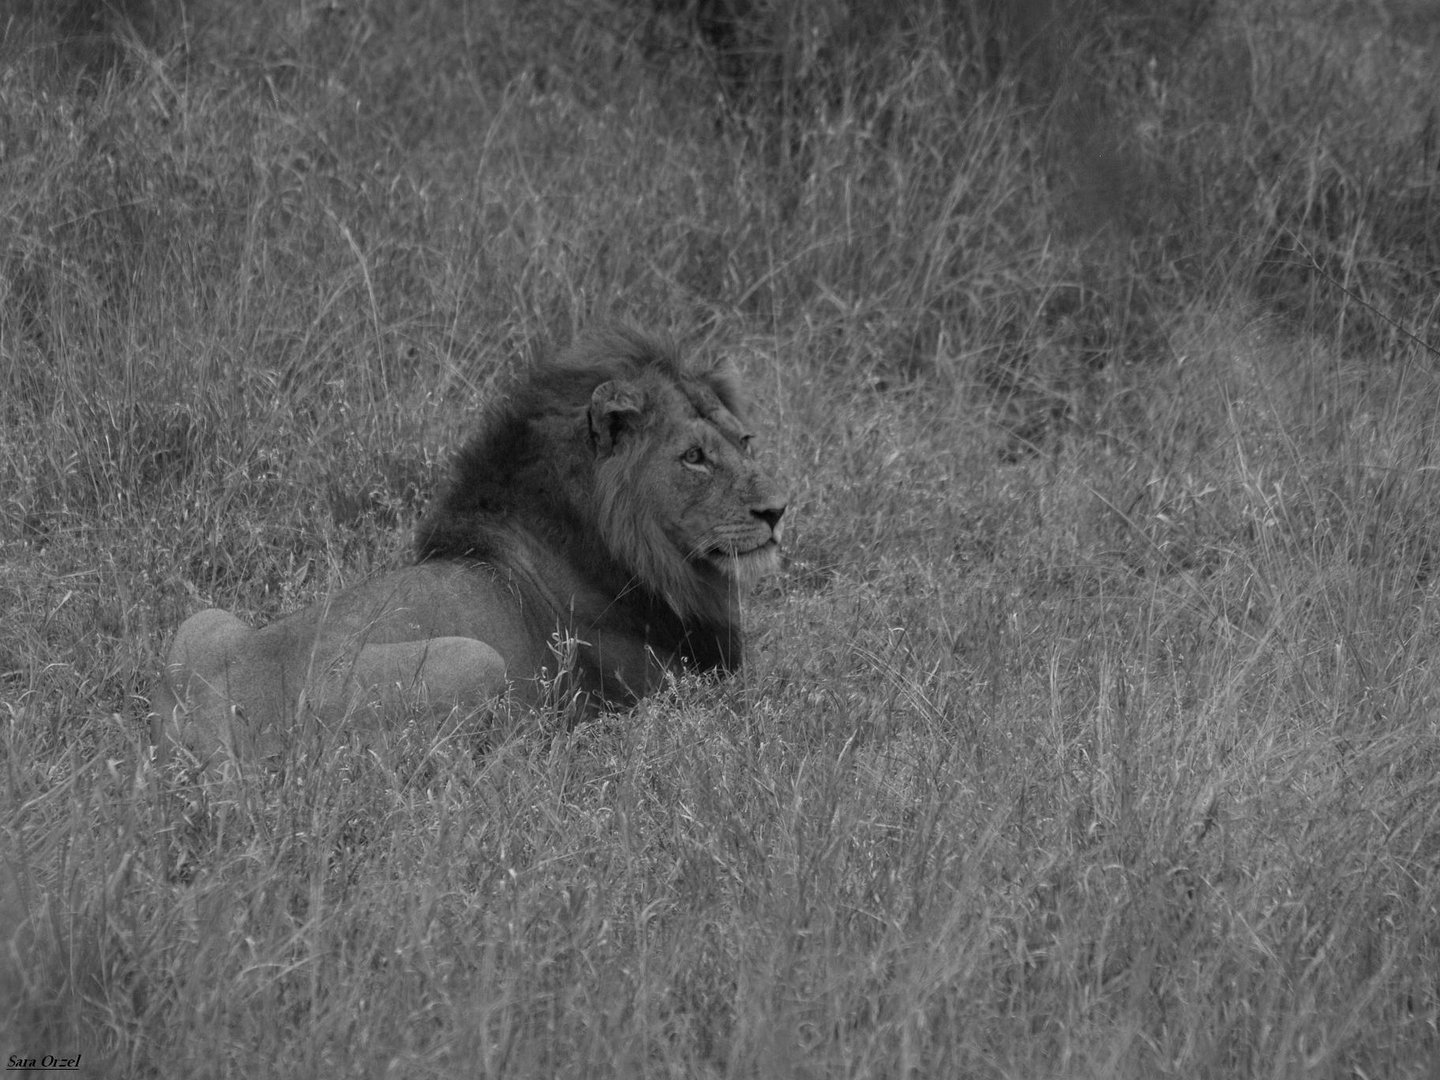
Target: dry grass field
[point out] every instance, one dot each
(1093, 730)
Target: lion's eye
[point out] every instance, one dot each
(693, 456)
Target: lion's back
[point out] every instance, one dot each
(429, 600)
(459, 628)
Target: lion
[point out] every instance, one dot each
(608, 510)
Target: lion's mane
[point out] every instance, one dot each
(525, 495)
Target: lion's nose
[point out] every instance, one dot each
(771, 515)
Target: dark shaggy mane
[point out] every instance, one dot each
(511, 468)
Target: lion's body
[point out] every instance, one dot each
(610, 504)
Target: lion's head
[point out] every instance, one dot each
(634, 468)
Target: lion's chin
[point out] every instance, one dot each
(749, 566)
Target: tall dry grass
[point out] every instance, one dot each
(1092, 730)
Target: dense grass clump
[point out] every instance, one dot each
(1092, 731)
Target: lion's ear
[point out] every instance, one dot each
(615, 407)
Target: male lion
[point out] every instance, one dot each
(610, 502)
